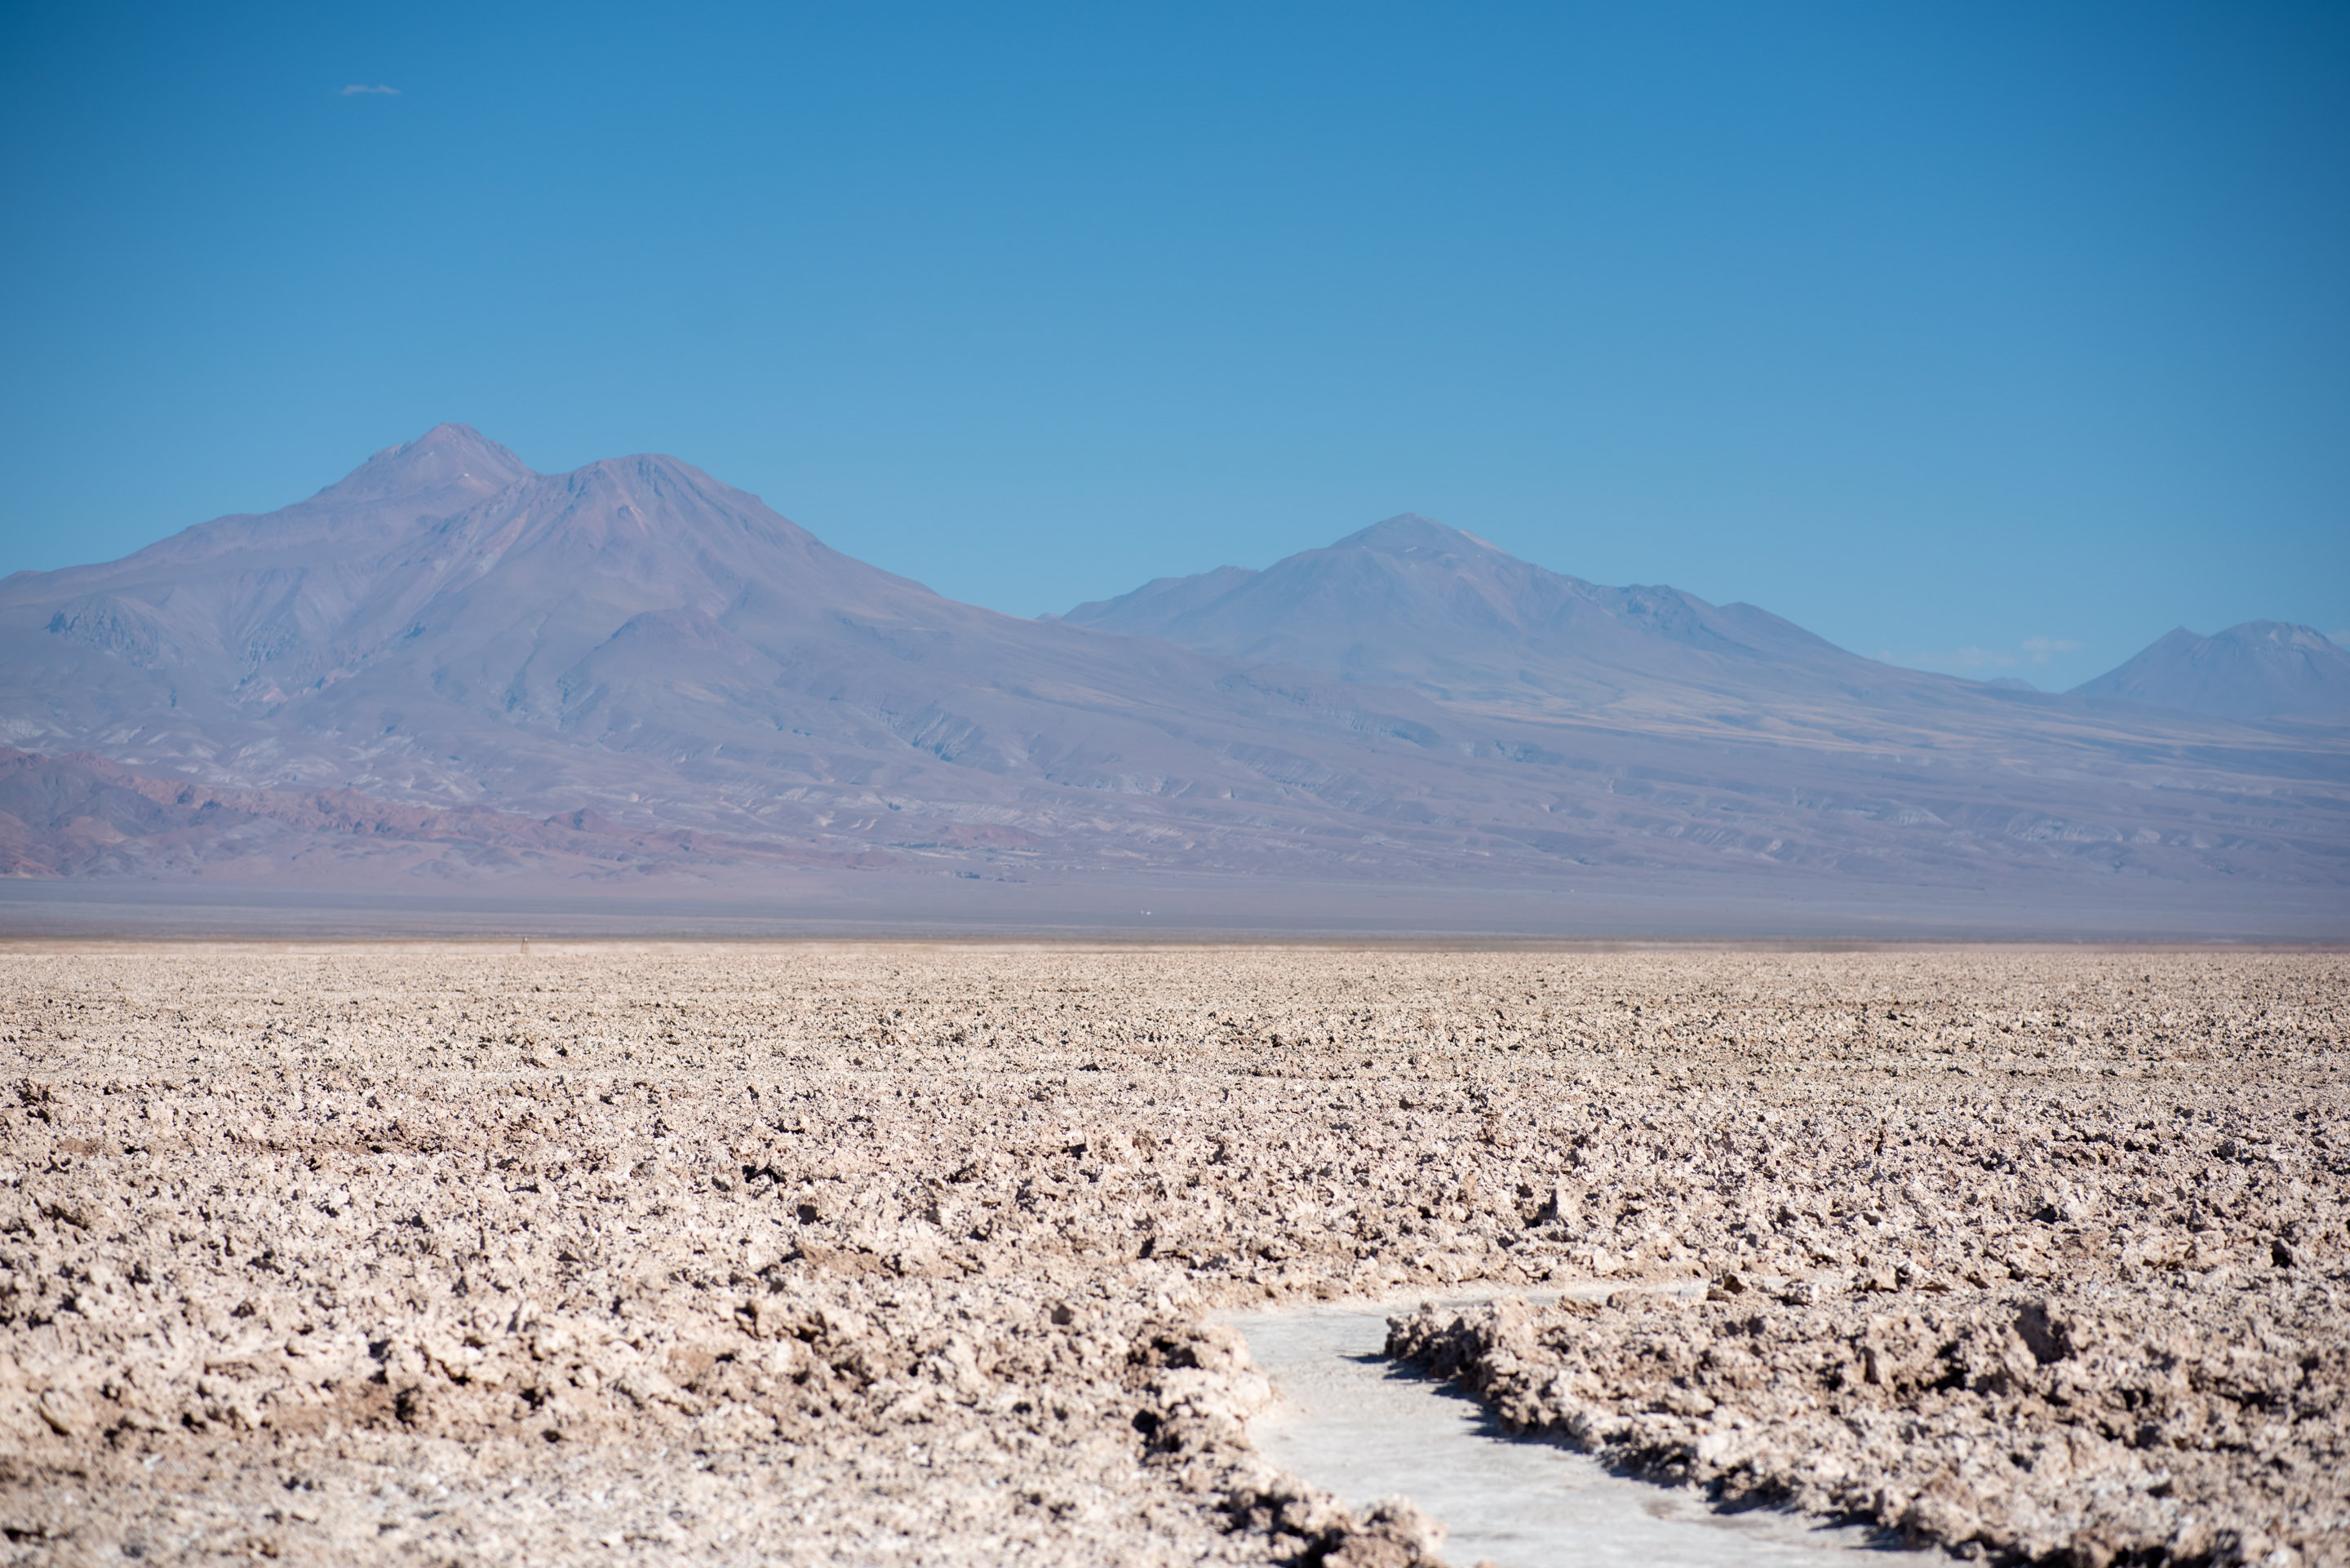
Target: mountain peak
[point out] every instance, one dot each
(1410, 534)
(2281, 635)
(444, 456)
(2257, 669)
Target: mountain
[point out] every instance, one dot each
(1411, 601)
(446, 626)
(450, 668)
(2262, 669)
(1416, 603)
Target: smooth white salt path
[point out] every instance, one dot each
(1350, 1422)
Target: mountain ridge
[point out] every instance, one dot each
(446, 630)
(1463, 621)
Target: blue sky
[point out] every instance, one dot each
(1992, 339)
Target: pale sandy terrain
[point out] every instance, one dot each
(905, 1254)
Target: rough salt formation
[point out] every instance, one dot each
(911, 1253)
(2079, 1426)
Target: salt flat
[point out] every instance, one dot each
(1347, 1417)
(911, 1253)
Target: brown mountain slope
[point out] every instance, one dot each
(82, 815)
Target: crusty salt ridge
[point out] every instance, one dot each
(908, 1253)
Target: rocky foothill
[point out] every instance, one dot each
(915, 1253)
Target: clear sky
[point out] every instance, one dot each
(1997, 339)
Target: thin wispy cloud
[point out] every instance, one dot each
(358, 88)
(2041, 649)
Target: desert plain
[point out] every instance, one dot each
(506, 1252)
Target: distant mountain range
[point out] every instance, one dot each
(1414, 603)
(448, 669)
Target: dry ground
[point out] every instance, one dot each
(905, 1254)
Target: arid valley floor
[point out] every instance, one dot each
(804, 1253)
